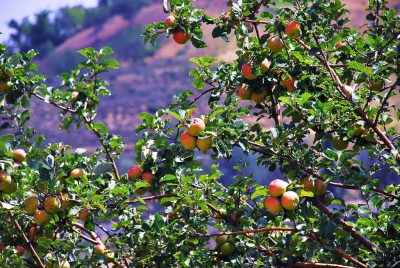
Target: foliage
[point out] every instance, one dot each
(194, 206)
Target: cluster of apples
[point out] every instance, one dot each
(136, 172)
(279, 198)
(225, 245)
(190, 140)
(7, 185)
(50, 205)
(178, 34)
(318, 188)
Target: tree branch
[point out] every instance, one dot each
(261, 230)
(314, 264)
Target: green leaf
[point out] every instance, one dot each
(360, 67)
(110, 64)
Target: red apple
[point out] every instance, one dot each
(320, 187)
(204, 144)
(188, 141)
(41, 217)
(31, 204)
(289, 83)
(290, 200)
(243, 91)
(308, 183)
(265, 64)
(52, 204)
(19, 155)
(272, 204)
(247, 72)
(135, 172)
(100, 248)
(196, 126)
(170, 21)
(250, 26)
(148, 177)
(20, 250)
(180, 37)
(293, 29)
(275, 44)
(277, 187)
(258, 96)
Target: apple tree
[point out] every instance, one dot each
(306, 96)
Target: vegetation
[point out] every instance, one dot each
(328, 95)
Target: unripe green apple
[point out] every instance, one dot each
(293, 29)
(180, 36)
(41, 217)
(289, 83)
(275, 44)
(52, 204)
(258, 97)
(308, 183)
(188, 141)
(19, 155)
(273, 204)
(31, 204)
(221, 239)
(148, 177)
(227, 248)
(9, 189)
(77, 173)
(204, 144)
(277, 187)
(170, 21)
(243, 91)
(290, 200)
(247, 72)
(320, 187)
(135, 172)
(265, 64)
(339, 143)
(196, 126)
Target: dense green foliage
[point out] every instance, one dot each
(303, 122)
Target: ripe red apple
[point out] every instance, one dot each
(227, 248)
(243, 91)
(275, 44)
(289, 83)
(148, 177)
(308, 183)
(100, 248)
(19, 155)
(247, 72)
(272, 204)
(31, 204)
(180, 37)
(32, 232)
(20, 250)
(77, 173)
(277, 187)
(265, 64)
(339, 143)
(196, 126)
(320, 187)
(204, 144)
(135, 172)
(290, 200)
(83, 214)
(258, 96)
(52, 204)
(188, 141)
(41, 217)
(293, 29)
(5, 181)
(170, 21)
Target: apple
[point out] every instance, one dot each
(234, 216)
(170, 21)
(135, 172)
(109, 256)
(62, 264)
(258, 96)
(247, 72)
(222, 239)
(243, 91)
(20, 250)
(3, 86)
(188, 141)
(41, 217)
(308, 183)
(250, 26)
(83, 214)
(272, 204)
(359, 129)
(5, 181)
(75, 95)
(31, 204)
(65, 202)
(9, 189)
(340, 44)
(289, 83)
(19, 155)
(32, 232)
(320, 187)
(204, 144)
(293, 29)
(339, 143)
(148, 177)
(290, 200)
(77, 173)
(52, 204)
(180, 37)
(99, 248)
(277, 187)
(196, 126)
(227, 248)
(275, 44)
(265, 64)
